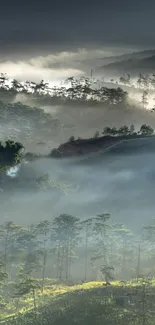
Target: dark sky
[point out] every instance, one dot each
(62, 25)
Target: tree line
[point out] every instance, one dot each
(72, 250)
(77, 90)
(145, 130)
(125, 130)
(143, 81)
(73, 89)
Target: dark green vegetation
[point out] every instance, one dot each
(74, 251)
(11, 154)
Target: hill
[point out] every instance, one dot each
(87, 146)
(133, 65)
(27, 124)
(135, 55)
(91, 303)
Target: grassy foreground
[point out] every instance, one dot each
(91, 303)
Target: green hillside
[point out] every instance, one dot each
(88, 304)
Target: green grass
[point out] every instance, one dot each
(86, 304)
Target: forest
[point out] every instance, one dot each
(68, 269)
(95, 259)
(83, 89)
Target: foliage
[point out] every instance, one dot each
(60, 247)
(128, 131)
(11, 154)
(92, 303)
(73, 89)
(146, 130)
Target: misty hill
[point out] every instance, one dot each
(24, 123)
(107, 180)
(83, 146)
(133, 65)
(86, 146)
(136, 55)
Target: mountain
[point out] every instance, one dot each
(143, 62)
(123, 57)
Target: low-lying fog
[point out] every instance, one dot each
(120, 181)
(81, 121)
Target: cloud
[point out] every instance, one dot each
(70, 59)
(56, 66)
(22, 70)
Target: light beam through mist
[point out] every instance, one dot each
(13, 171)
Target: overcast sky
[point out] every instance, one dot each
(41, 28)
(65, 24)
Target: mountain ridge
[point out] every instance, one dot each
(134, 63)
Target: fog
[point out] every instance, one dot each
(119, 181)
(80, 120)
(84, 120)
(55, 66)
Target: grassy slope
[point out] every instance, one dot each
(90, 303)
(87, 146)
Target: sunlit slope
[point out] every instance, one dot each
(87, 304)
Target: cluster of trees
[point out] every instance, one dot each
(125, 130)
(11, 154)
(73, 89)
(25, 122)
(72, 250)
(143, 81)
(82, 89)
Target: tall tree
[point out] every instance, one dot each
(29, 249)
(145, 99)
(87, 227)
(101, 229)
(66, 229)
(43, 230)
(8, 236)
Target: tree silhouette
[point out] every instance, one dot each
(43, 230)
(87, 227)
(66, 229)
(146, 130)
(145, 98)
